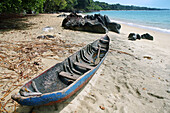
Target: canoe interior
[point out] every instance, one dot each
(65, 73)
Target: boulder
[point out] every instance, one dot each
(101, 20)
(133, 36)
(90, 17)
(91, 23)
(97, 27)
(112, 26)
(106, 20)
(147, 36)
(89, 26)
(138, 36)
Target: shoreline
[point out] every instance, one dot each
(134, 10)
(139, 21)
(134, 77)
(161, 39)
(143, 26)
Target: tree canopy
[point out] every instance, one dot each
(28, 6)
(17, 6)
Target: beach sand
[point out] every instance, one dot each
(134, 78)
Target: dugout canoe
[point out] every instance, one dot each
(64, 79)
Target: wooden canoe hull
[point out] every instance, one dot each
(58, 96)
(51, 98)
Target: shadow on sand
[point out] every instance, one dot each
(10, 22)
(55, 108)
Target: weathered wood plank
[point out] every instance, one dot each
(67, 75)
(103, 40)
(83, 65)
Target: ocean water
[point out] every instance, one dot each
(156, 20)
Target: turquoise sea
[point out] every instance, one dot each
(157, 19)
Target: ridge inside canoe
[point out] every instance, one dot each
(63, 74)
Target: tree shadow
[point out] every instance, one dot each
(10, 22)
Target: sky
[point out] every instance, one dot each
(146, 3)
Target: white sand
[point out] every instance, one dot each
(125, 83)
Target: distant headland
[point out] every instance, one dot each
(106, 6)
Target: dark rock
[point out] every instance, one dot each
(147, 36)
(112, 26)
(90, 23)
(74, 15)
(87, 17)
(49, 36)
(106, 20)
(45, 36)
(95, 27)
(41, 37)
(71, 20)
(138, 36)
(133, 36)
(75, 22)
(62, 15)
(90, 26)
(101, 20)
(90, 17)
(64, 22)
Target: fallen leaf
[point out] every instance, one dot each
(148, 57)
(144, 88)
(151, 101)
(101, 107)
(25, 76)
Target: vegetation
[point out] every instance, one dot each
(54, 5)
(18, 6)
(106, 6)
(29, 6)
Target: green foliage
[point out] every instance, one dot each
(70, 5)
(19, 6)
(54, 5)
(10, 6)
(83, 4)
(33, 5)
(103, 5)
(94, 6)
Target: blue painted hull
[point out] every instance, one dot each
(48, 99)
(59, 96)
